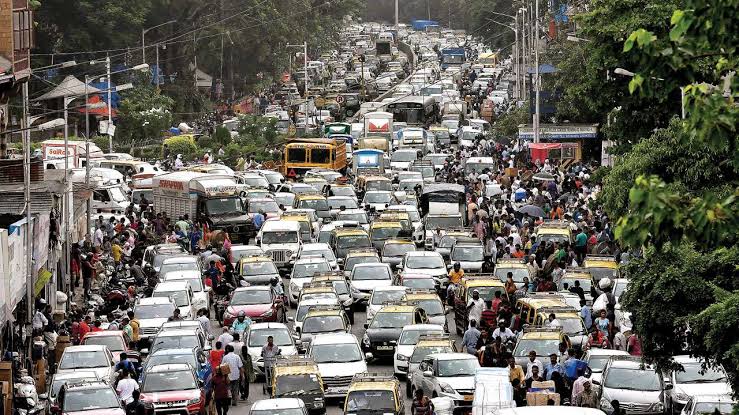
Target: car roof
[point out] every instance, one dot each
(260, 326)
(372, 264)
(315, 246)
(253, 288)
(418, 327)
(399, 308)
(452, 356)
(334, 338)
(310, 260)
(277, 403)
(85, 348)
(154, 301)
(87, 384)
(104, 333)
(172, 285)
(178, 332)
(605, 352)
(169, 367)
(177, 351)
(422, 253)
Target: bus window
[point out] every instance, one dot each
(296, 155)
(320, 155)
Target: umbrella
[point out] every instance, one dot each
(544, 177)
(532, 210)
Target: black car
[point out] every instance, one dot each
(384, 330)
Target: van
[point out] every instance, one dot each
(280, 239)
(109, 199)
(182, 295)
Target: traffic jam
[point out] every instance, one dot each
(395, 260)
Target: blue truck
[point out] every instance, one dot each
(451, 57)
(422, 25)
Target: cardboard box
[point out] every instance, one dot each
(225, 369)
(544, 386)
(62, 342)
(511, 171)
(541, 398)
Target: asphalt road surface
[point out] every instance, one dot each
(334, 406)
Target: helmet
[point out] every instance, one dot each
(273, 280)
(242, 314)
(457, 265)
(605, 283)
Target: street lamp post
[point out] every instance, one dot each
(537, 85)
(305, 74)
(143, 38)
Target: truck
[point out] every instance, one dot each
(54, 153)
(378, 124)
(210, 199)
(451, 57)
(423, 25)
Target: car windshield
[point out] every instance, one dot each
(584, 284)
(353, 241)
(619, 287)
(257, 182)
(542, 347)
(411, 336)
(323, 324)
(196, 283)
(467, 253)
(168, 381)
(220, 206)
(385, 233)
(263, 205)
(420, 283)
(167, 358)
(281, 337)
(57, 383)
(369, 273)
(457, 367)
(87, 359)
(386, 320)
(143, 312)
(258, 268)
(341, 287)
(431, 306)
(90, 399)
(303, 270)
(345, 202)
(296, 385)
(326, 253)
(280, 237)
(572, 325)
(377, 197)
(518, 274)
(176, 342)
(383, 185)
(114, 343)
(713, 408)
(336, 353)
(180, 266)
(317, 204)
(382, 401)
(443, 222)
(251, 297)
(693, 373)
(397, 249)
(359, 217)
(424, 262)
(420, 352)
(404, 156)
(600, 273)
(380, 297)
(352, 261)
(598, 362)
(632, 379)
(181, 298)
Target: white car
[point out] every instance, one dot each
(182, 294)
(426, 263)
(279, 406)
(597, 359)
(319, 250)
(303, 272)
(200, 292)
(407, 342)
(256, 337)
(378, 199)
(243, 251)
(305, 305)
(95, 358)
(179, 263)
(335, 203)
(382, 295)
(368, 276)
(151, 313)
(354, 215)
(447, 375)
(401, 159)
(710, 404)
(339, 358)
(693, 381)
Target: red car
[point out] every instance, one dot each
(117, 343)
(259, 303)
(173, 388)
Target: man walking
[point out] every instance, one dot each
(237, 372)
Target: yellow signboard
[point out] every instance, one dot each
(44, 276)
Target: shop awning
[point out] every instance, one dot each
(559, 131)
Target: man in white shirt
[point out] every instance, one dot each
(475, 306)
(553, 322)
(503, 332)
(39, 320)
(237, 370)
(126, 386)
(533, 361)
(204, 321)
(226, 337)
(97, 239)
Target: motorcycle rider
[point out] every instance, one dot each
(277, 288)
(241, 324)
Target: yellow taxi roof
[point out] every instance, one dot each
(349, 232)
(295, 216)
(368, 252)
(319, 313)
(399, 241)
(600, 263)
(282, 370)
(514, 265)
(385, 224)
(382, 178)
(543, 302)
(442, 343)
(310, 197)
(542, 335)
(365, 385)
(576, 275)
(399, 308)
(483, 282)
(320, 278)
(422, 296)
(253, 259)
(314, 290)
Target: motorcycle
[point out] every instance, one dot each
(25, 399)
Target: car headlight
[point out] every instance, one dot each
(605, 404)
(193, 401)
(447, 389)
(268, 313)
(366, 340)
(148, 405)
(402, 358)
(318, 403)
(294, 287)
(679, 396)
(657, 407)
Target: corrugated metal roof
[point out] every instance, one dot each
(14, 203)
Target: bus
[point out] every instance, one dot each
(303, 154)
(488, 60)
(415, 110)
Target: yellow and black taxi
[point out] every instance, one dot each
(528, 307)
(446, 242)
(485, 284)
(382, 332)
(373, 182)
(427, 344)
(318, 290)
(517, 267)
(393, 251)
(257, 270)
(346, 238)
(601, 266)
(381, 231)
(299, 377)
(341, 286)
(371, 394)
(551, 231)
(568, 318)
(307, 229)
(541, 340)
(324, 319)
(315, 201)
(430, 303)
(578, 277)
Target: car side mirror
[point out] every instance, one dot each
(368, 356)
(144, 352)
(43, 396)
(366, 326)
(428, 373)
(291, 319)
(594, 382)
(668, 386)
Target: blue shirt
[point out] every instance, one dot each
(469, 340)
(550, 368)
(587, 317)
(258, 221)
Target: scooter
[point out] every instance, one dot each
(25, 399)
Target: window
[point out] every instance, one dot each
(101, 196)
(320, 155)
(296, 155)
(22, 29)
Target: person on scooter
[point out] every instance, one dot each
(241, 324)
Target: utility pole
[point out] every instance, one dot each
(156, 71)
(195, 59)
(109, 130)
(516, 68)
(87, 151)
(537, 81)
(524, 51)
(27, 196)
(396, 14)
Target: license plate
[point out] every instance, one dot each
(384, 347)
(469, 397)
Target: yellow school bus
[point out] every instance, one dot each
(303, 154)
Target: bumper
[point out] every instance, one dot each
(400, 367)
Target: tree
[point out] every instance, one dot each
(143, 116)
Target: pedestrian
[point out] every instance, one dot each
(270, 351)
(533, 362)
(135, 407)
(588, 398)
(126, 386)
(487, 319)
(475, 306)
(236, 367)
(553, 322)
(421, 404)
(553, 366)
(204, 321)
(135, 329)
(175, 315)
(510, 285)
(587, 314)
(88, 272)
(225, 337)
(602, 324)
(470, 337)
(535, 376)
(241, 324)
(241, 351)
(633, 345)
(216, 354)
(221, 392)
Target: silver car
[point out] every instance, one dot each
(638, 387)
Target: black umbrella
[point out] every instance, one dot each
(532, 210)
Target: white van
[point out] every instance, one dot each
(201, 292)
(280, 239)
(182, 295)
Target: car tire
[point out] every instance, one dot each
(408, 389)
